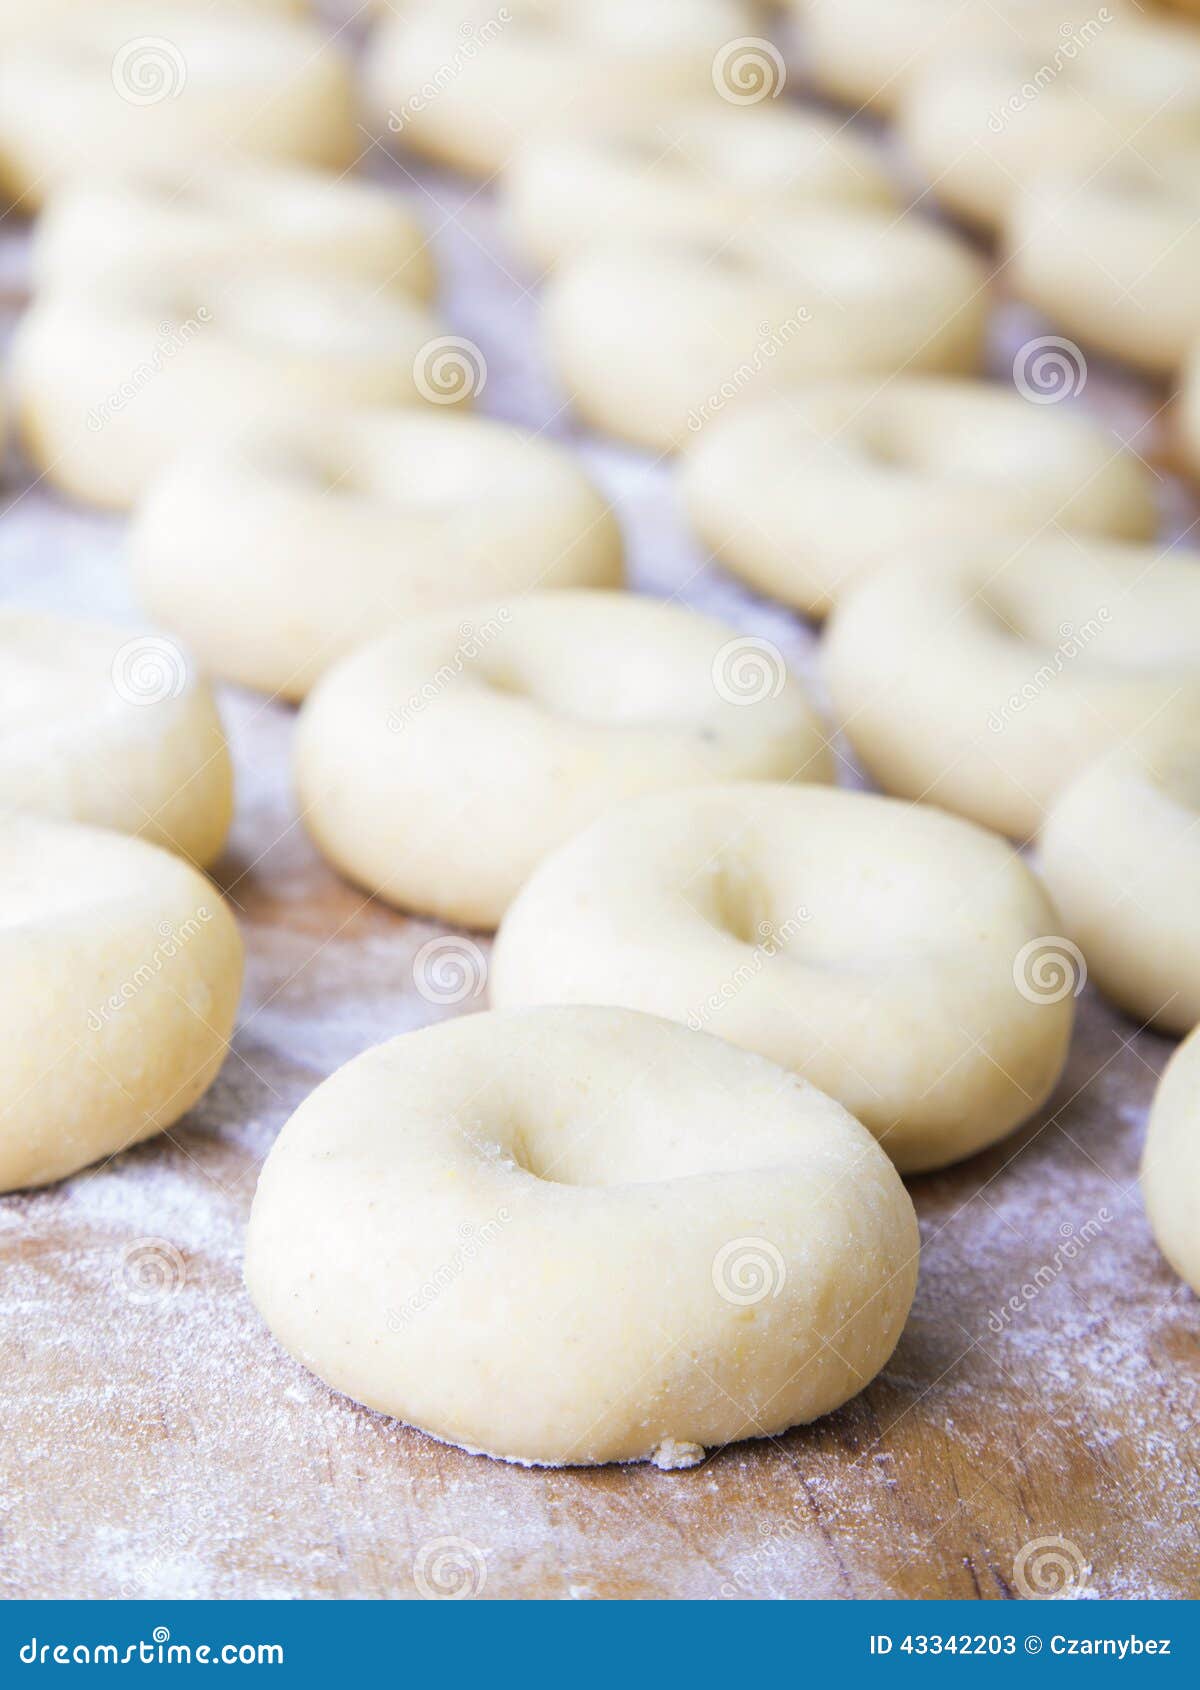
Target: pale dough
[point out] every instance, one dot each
(466, 84)
(982, 129)
(1114, 259)
(112, 381)
(805, 494)
(113, 727)
(571, 1236)
(653, 341)
(867, 52)
(439, 765)
(691, 172)
(987, 678)
(217, 214)
(121, 972)
(887, 952)
(1171, 1162)
(1120, 854)
(179, 85)
(330, 529)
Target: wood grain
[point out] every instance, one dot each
(162, 1445)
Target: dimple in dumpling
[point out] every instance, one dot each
(671, 1243)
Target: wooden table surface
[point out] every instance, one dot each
(156, 1442)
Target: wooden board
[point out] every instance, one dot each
(155, 1441)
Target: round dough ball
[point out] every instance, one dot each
(986, 679)
(653, 343)
(879, 949)
(466, 86)
(328, 530)
(112, 382)
(122, 968)
(178, 85)
(111, 727)
(672, 1244)
(804, 495)
(1114, 259)
(341, 226)
(1120, 853)
(1171, 1162)
(505, 729)
(983, 129)
(692, 172)
(867, 52)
